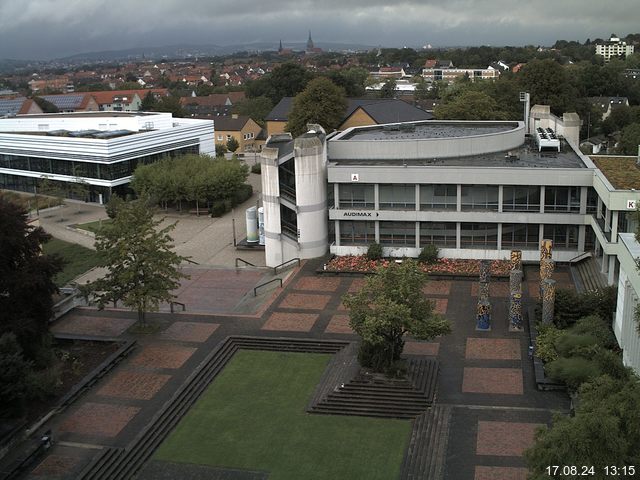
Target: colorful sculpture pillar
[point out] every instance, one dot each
(483, 311)
(515, 304)
(546, 263)
(548, 300)
(515, 262)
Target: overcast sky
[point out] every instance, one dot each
(43, 29)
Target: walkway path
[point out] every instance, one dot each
(486, 378)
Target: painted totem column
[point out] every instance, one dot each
(548, 300)
(483, 311)
(515, 262)
(515, 304)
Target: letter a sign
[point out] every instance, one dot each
(355, 177)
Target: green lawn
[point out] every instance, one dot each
(94, 226)
(78, 259)
(252, 417)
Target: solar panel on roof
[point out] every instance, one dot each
(11, 106)
(64, 102)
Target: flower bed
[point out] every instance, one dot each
(444, 266)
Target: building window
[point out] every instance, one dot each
(220, 138)
(356, 196)
(353, 232)
(521, 199)
(438, 197)
(480, 197)
(397, 197)
(592, 200)
(562, 199)
(288, 222)
(438, 234)
(479, 235)
(399, 234)
(565, 237)
(520, 235)
(228, 137)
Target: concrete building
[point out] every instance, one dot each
(245, 130)
(451, 74)
(99, 148)
(625, 325)
(614, 47)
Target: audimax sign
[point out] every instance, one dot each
(360, 214)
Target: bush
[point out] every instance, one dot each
(374, 252)
(219, 208)
(573, 371)
(596, 328)
(256, 168)
(545, 342)
(243, 194)
(14, 371)
(428, 254)
(571, 306)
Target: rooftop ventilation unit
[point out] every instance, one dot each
(547, 139)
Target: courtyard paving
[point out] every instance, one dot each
(487, 377)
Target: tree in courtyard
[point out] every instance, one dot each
(26, 281)
(470, 105)
(388, 90)
(322, 102)
(630, 139)
(232, 144)
(605, 430)
(142, 268)
(390, 305)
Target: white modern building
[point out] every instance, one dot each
(625, 325)
(614, 47)
(100, 148)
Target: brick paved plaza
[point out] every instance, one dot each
(486, 377)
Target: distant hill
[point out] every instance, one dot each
(190, 51)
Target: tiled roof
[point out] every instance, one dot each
(230, 124)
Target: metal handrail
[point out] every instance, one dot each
(586, 254)
(238, 259)
(275, 269)
(255, 289)
(171, 304)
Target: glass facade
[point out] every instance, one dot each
(356, 196)
(100, 171)
(521, 235)
(479, 235)
(439, 234)
(438, 197)
(357, 233)
(562, 199)
(520, 198)
(397, 197)
(399, 234)
(565, 237)
(480, 197)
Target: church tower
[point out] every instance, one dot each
(309, 43)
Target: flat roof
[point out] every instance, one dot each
(90, 114)
(622, 172)
(526, 156)
(425, 130)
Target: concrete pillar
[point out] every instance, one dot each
(542, 194)
(499, 245)
(459, 199)
(582, 235)
(607, 221)
(614, 226)
(611, 276)
(540, 233)
(271, 203)
(605, 263)
(376, 196)
(417, 234)
(337, 232)
(417, 197)
(336, 195)
(377, 231)
(458, 229)
(500, 200)
(571, 130)
(310, 156)
(583, 200)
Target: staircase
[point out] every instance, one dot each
(425, 456)
(375, 395)
(588, 273)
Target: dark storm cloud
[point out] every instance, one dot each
(49, 28)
